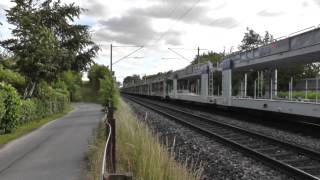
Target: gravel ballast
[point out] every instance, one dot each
(294, 138)
(218, 161)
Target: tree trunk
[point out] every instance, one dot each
(28, 92)
(32, 89)
(25, 94)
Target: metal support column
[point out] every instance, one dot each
(271, 88)
(317, 88)
(306, 90)
(262, 84)
(245, 84)
(255, 89)
(276, 82)
(112, 122)
(258, 84)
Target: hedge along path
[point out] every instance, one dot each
(140, 152)
(18, 116)
(9, 113)
(31, 126)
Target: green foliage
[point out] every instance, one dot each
(133, 79)
(10, 77)
(45, 40)
(101, 87)
(30, 126)
(14, 111)
(10, 119)
(211, 56)
(49, 100)
(299, 94)
(28, 111)
(71, 81)
(87, 93)
(96, 73)
(140, 152)
(295, 71)
(2, 105)
(106, 89)
(252, 39)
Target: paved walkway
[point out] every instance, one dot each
(55, 151)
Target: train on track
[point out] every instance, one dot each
(212, 83)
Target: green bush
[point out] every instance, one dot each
(28, 111)
(14, 111)
(88, 94)
(2, 105)
(11, 99)
(105, 91)
(50, 101)
(10, 77)
(71, 81)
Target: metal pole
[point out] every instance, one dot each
(255, 89)
(245, 84)
(241, 89)
(317, 88)
(198, 57)
(112, 121)
(258, 84)
(291, 87)
(262, 84)
(111, 58)
(271, 88)
(289, 95)
(306, 90)
(276, 82)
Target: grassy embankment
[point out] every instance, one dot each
(28, 127)
(138, 151)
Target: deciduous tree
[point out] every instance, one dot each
(46, 41)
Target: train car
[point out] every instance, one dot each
(212, 84)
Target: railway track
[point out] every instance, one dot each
(299, 162)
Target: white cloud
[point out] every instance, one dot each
(211, 25)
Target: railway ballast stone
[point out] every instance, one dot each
(217, 160)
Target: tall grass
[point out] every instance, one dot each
(94, 156)
(140, 152)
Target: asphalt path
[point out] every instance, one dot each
(55, 151)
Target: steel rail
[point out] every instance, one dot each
(314, 153)
(294, 171)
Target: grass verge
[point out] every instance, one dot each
(26, 128)
(95, 152)
(140, 152)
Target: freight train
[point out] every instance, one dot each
(209, 83)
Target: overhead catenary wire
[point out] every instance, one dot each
(176, 22)
(179, 55)
(174, 9)
(126, 56)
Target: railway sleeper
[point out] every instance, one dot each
(257, 145)
(296, 161)
(240, 140)
(310, 168)
(267, 148)
(280, 155)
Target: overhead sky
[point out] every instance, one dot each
(183, 24)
